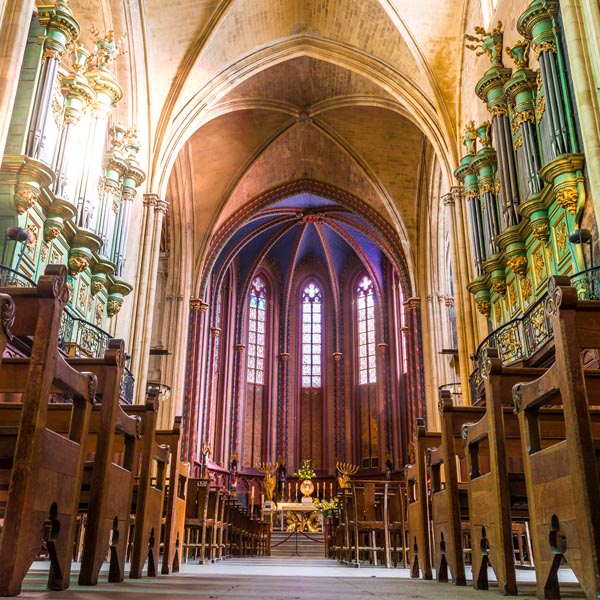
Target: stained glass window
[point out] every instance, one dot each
(311, 336)
(256, 328)
(365, 304)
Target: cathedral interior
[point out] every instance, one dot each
(309, 221)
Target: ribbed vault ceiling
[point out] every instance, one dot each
(246, 96)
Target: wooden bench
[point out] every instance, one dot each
(174, 506)
(497, 493)
(148, 493)
(449, 499)
(107, 485)
(42, 470)
(418, 510)
(562, 479)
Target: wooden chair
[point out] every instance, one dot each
(449, 499)
(174, 508)
(497, 494)
(148, 496)
(394, 511)
(197, 522)
(562, 479)
(42, 469)
(368, 523)
(418, 510)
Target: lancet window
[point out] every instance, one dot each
(256, 331)
(312, 299)
(365, 316)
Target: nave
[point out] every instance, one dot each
(268, 578)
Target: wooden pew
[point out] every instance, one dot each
(562, 479)
(497, 491)
(107, 484)
(419, 531)
(174, 509)
(449, 501)
(44, 468)
(148, 496)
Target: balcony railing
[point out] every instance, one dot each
(76, 336)
(522, 337)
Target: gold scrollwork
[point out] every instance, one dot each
(25, 199)
(540, 107)
(487, 187)
(561, 237)
(483, 306)
(545, 46)
(567, 198)
(113, 307)
(78, 264)
(498, 110)
(524, 116)
(541, 232)
(526, 290)
(539, 264)
(518, 265)
(518, 142)
(499, 287)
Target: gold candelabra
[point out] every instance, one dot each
(268, 468)
(345, 470)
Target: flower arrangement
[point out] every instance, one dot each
(305, 471)
(328, 508)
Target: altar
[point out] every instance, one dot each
(293, 516)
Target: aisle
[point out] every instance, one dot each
(269, 578)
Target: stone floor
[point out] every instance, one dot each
(269, 579)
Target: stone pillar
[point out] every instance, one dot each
(209, 399)
(282, 411)
(238, 396)
(15, 18)
(193, 376)
(338, 390)
(384, 401)
(154, 210)
(415, 360)
(466, 330)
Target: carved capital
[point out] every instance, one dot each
(150, 199)
(196, 304)
(337, 356)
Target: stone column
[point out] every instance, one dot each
(415, 360)
(384, 400)
(282, 424)
(193, 384)
(160, 209)
(338, 390)
(15, 18)
(466, 333)
(238, 397)
(209, 400)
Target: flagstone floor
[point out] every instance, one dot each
(270, 579)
